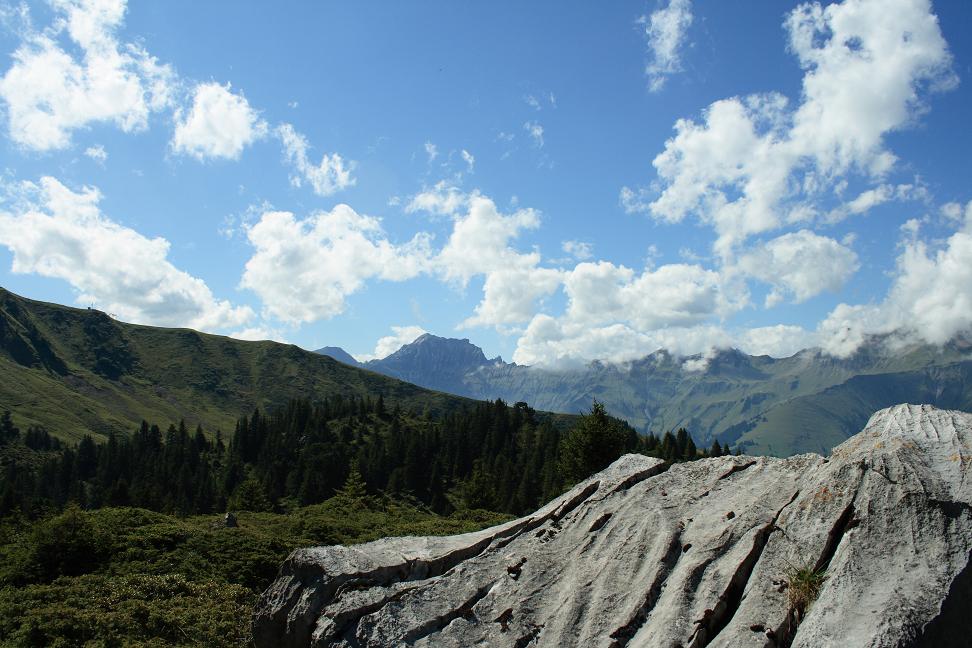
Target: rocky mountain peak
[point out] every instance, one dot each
(708, 553)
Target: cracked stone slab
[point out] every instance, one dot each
(691, 555)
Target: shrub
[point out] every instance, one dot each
(64, 545)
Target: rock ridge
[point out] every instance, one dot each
(690, 555)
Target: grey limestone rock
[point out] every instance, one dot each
(688, 555)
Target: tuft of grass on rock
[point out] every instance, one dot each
(803, 586)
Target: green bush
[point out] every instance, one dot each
(65, 545)
(156, 580)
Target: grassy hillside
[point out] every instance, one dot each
(126, 576)
(78, 371)
(818, 422)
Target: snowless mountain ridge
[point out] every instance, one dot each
(761, 405)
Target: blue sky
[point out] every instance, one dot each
(556, 181)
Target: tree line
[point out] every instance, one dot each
(490, 456)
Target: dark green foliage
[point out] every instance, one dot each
(593, 443)
(65, 545)
(172, 581)
(249, 496)
(8, 432)
(489, 456)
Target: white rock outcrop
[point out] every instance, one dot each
(688, 555)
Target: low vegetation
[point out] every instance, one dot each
(803, 586)
(124, 576)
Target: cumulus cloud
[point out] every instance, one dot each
(77, 73)
(557, 343)
(666, 29)
(303, 270)
(481, 244)
(616, 314)
(800, 265)
(431, 151)
(56, 232)
(672, 295)
(328, 177)
(389, 344)
(930, 298)
(481, 238)
(753, 164)
(510, 295)
(220, 124)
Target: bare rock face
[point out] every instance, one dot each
(689, 555)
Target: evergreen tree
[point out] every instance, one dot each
(592, 444)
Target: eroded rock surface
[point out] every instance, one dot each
(689, 555)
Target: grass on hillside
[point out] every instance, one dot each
(125, 576)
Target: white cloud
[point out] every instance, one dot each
(97, 153)
(535, 131)
(328, 177)
(558, 344)
(401, 335)
(666, 29)
(930, 298)
(673, 295)
(59, 233)
(220, 124)
(431, 151)
(532, 101)
(578, 249)
(510, 295)
(634, 201)
(800, 265)
(481, 244)
(618, 315)
(50, 93)
(753, 165)
(303, 270)
(480, 241)
(871, 198)
(443, 199)
(469, 159)
(779, 341)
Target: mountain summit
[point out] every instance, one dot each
(434, 362)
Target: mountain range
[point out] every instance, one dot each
(79, 371)
(808, 402)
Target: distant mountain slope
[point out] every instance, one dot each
(769, 405)
(822, 419)
(78, 371)
(339, 354)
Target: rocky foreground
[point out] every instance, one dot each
(706, 553)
